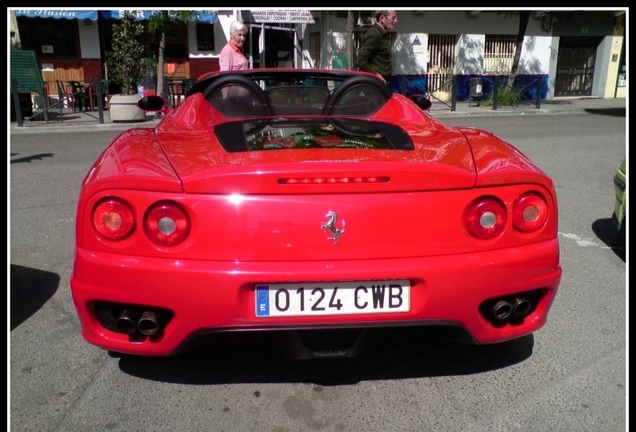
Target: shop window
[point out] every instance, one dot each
(314, 49)
(48, 37)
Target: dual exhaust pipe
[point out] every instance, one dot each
(130, 321)
(516, 308)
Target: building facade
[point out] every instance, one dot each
(572, 53)
(578, 53)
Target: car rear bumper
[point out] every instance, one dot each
(203, 296)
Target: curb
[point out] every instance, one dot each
(79, 126)
(438, 110)
(489, 112)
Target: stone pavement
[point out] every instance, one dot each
(89, 121)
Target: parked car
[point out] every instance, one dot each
(315, 203)
(620, 196)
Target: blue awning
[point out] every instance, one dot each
(203, 16)
(81, 14)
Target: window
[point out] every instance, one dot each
(49, 38)
(314, 49)
(176, 42)
(499, 52)
(205, 36)
(441, 49)
(441, 63)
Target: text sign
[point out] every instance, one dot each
(283, 15)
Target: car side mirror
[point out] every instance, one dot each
(153, 103)
(421, 101)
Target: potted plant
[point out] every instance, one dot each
(125, 68)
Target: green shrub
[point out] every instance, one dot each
(507, 96)
(125, 61)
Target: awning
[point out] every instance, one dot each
(81, 14)
(209, 17)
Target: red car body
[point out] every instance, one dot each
(216, 220)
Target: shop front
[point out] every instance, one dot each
(177, 43)
(71, 44)
(274, 42)
(65, 41)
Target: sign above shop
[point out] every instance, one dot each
(283, 16)
(203, 16)
(82, 14)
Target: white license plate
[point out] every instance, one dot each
(332, 298)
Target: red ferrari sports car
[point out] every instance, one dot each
(316, 204)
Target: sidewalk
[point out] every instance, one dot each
(89, 121)
(613, 106)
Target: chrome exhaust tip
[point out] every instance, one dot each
(521, 306)
(502, 310)
(148, 323)
(126, 322)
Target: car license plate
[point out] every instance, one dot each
(333, 298)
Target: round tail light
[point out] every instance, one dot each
(167, 224)
(529, 212)
(113, 219)
(486, 218)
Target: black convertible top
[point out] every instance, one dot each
(284, 92)
(283, 75)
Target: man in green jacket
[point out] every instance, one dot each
(375, 54)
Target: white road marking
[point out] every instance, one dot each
(580, 241)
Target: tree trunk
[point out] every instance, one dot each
(351, 19)
(160, 62)
(524, 17)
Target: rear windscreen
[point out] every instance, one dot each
(285, 134)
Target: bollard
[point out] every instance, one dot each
(16, 101)
(454, 94)
(100, 99)
(495, 92)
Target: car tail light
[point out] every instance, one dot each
(332, 180)
(529, 212)
(113, 219)
(486, 218)
(167, 224)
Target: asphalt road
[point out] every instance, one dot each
(568, 376)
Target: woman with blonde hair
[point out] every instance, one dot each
(232, 56)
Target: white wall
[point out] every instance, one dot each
(14, 41)
(469, 54)
(410, 54)
(221, 35)
(536, 54)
